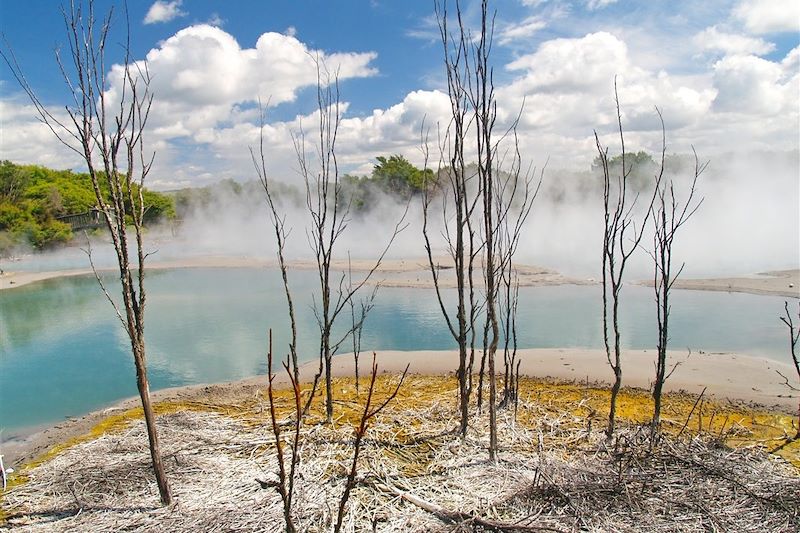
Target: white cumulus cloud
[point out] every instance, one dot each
(769, 16)
(201, 73)
(567, 86)
(747, 84)
(163, 11)
(568, 66)
(25, 139)
(729, 43)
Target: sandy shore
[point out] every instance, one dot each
(729, 376)
(10, 279)
(412, 273)
(777, 283)
(415, 273)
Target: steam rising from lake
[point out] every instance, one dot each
(749, 222)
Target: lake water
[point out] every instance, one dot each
(63, 352)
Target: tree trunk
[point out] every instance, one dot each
(612, 411)
(150, 422)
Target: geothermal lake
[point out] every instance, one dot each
(64, 353)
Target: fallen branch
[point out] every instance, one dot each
(458, 517)
(699, 399)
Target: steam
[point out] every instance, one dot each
(749, 222)
(240, 225)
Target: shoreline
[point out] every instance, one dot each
(415, 273)
(773, 283)
(397, 273)
(741, 379)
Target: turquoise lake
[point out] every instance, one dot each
(64, 353)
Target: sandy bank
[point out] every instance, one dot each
(730, 376)
(412, 273)
(725, 375)
(776, 283)
(415, 273)
(11, 279)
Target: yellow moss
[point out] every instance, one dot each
(739, 427)
(576, 404)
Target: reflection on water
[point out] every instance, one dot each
(64, 353)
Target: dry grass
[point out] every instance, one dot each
(555, 470)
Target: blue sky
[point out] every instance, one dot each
(725, 73)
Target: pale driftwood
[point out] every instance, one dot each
(459, 517)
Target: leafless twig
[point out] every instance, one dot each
(368, 414)
(794, 336)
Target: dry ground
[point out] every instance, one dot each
(724, 468)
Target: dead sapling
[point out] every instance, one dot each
(286, 478)
(669, 214)
(357, 319)
(459, 196)
(368, 414)
(621, 237)
(278, 222)
(794, 336)
(514, 202)
(329, 219)
(481, 95)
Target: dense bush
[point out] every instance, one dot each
(32, 198)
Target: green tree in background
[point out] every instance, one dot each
(398, 177)
(32, 198)
(639, 171)
(393, 176)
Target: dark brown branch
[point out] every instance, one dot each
(368, 414)
(284, 480)
(794, 337)
(668, 215)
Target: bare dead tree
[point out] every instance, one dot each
(474, 112)
(106, 131)
(621, 237)
(286, 479)
(669, 213)
(368, 414)
(509, 280)
(461, 243)
(794, 337)
(357, 319)
(514, 202)
(482, 100)
(329, 218)
(278, 222)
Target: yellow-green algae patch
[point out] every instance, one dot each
(575, 406)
